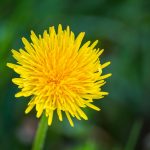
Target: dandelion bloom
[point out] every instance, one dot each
(59, 74)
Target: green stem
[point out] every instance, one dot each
(134, 134)
(40, 134)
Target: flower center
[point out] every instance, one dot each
(54, 81)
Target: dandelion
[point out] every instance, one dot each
(59, 74)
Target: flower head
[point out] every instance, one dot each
(59, 74)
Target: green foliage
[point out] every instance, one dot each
(123, 29)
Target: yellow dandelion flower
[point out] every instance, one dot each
(59, 74)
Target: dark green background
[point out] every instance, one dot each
(123, 29)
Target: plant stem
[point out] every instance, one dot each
(134, 134)
(40, 134)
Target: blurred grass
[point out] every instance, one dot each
(123, 29)
(135, 131)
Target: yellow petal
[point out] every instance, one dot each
(104, 93)
(69, 119)
(105, 76)
(94, 44)
(79, 40)
(81, 113)
(105, 64)
(93, 106)
(10, 65)
(100, 52)
(59, 28)
(29, 108)
(28, 46)
(59, 114)
(23, 93)
(39, 111)
(50, 117)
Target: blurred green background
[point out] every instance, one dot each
(123, 29)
